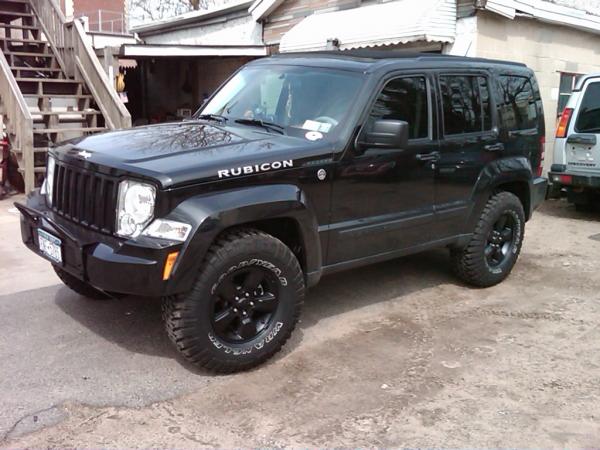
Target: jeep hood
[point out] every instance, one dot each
(184, 152)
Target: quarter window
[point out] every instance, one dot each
(466, 103)
(588, 120)
(518, 108)
(405, 99)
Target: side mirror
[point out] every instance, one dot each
(385, 133)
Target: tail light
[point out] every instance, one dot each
(563, 123)
(540, 167)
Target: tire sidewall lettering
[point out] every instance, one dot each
(248, 263)
(249, 347)
(239, 351)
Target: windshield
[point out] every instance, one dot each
(303, 101)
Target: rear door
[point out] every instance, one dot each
(582, 150)
(469, 142)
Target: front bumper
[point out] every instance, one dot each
(106, 262)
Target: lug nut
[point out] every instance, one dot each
(234, 310)
(251, 303)
(247, 295)
(244, 313)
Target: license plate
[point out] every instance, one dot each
(50, 246)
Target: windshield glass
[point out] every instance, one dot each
(305, 101)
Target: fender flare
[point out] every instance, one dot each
(501, 171)
(212, 213)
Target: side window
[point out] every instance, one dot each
(517, 106)
(405, 99)
(466, 104)
(588, 120)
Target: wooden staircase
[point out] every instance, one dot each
(52, 86)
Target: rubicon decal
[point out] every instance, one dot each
(247, 170)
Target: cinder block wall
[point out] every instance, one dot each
(548, 49)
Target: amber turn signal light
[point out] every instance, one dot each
(169, 263)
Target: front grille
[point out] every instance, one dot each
(84, 197)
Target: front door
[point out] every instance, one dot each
(382, 200)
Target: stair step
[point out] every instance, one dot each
(32, 55)
(68, 130)
(48, 80)
(36, 69)
(78, 96)
(22, 2)
(18, 27)
(10, 40)
(15, 14)
(59, 113)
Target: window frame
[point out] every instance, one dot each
(492, 100)
(536, 127)
(396, 76)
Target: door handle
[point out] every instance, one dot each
(433, 156)
(494, 147)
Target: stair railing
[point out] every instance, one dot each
(18, 121)
(77, 58)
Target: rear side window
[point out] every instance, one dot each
(466, 103)
(517, 105)
(405, 99)
(588, 120)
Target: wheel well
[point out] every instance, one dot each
(286, 230)
(521, 190)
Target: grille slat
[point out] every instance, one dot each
(88, 198)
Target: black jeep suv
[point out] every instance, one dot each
(298, 166)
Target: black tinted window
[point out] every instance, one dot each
(466, 103)
(517, 103)
(405, 99)
(588, 120)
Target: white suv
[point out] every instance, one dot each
(576, 168)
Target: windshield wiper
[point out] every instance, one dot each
(260, 123)
(214, 117)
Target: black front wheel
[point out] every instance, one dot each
(496, 242)
(244, 305)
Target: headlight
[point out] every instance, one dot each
(48, 185)
(135, 207)
(168, 229)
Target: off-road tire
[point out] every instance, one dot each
(469, 263)
(187, 317)
(81, 287)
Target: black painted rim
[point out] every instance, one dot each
(244, 304)
(501, 240)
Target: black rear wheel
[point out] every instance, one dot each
(493, 250)
(244, 304)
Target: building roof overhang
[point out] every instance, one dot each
(168, 50)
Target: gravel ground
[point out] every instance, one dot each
(395, 354)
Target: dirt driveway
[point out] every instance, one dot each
(397, 354)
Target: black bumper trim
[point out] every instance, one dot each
(109, 264)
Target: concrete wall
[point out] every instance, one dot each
(547, 49)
